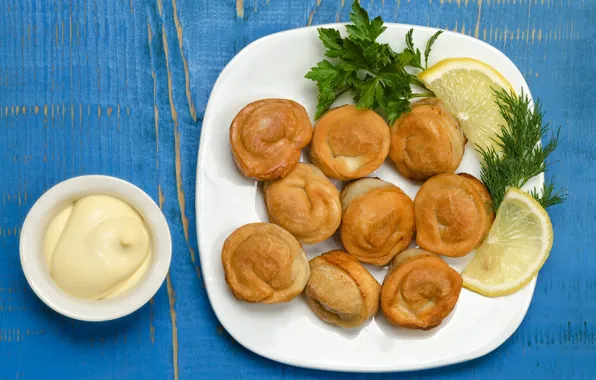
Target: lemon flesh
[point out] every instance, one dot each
(517, 246)
(466, 86)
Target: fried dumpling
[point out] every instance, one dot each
(349, 143)
(453, 214)
(420, 290)
(378, 220)
(426, 141)
(264, 263)
(341, 291)
(305, 203)
(267, 137)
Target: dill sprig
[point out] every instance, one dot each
(549, 196)
(519, 156)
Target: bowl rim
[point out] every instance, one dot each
(33, 234)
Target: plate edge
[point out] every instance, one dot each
(288, 361)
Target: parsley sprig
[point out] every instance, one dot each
(371, 70)
(519, 156)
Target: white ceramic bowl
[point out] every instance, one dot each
(33, 261)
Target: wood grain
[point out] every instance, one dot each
(120, 88)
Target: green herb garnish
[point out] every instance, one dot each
(411, 56)
(519, 156)
(373, 71)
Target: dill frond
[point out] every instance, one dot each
(519, 155)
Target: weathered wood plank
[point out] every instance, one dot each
(121, 87)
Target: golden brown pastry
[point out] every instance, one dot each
(305, 203)
(485, 197)
(420, 290)
(264, 263)
(349, 143)
(452, 215)
(426, 141)
(341, 291)
(267, 136)
(378, 220)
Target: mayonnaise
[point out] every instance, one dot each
(97, 248)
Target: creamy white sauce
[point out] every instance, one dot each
(97, 248)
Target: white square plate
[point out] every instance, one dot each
(275, 66)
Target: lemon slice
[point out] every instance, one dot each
(466, 87)
(517, 245)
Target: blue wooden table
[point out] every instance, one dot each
(120, 87)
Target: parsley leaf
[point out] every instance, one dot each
(352, 57)
(332, 80)
(397, 105)
(332, 41)
(362, 29)
(412, 56)
(372, 71)
(406, 57)
(368, 88)
(429, 45)
(325, 72)
(412, 53)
